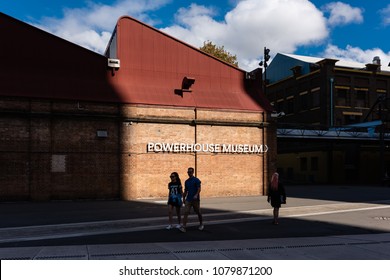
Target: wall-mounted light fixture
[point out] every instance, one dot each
(186, 84)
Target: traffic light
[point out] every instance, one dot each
(266, 54)
(266, 57)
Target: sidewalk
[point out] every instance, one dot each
(348, 247)
(24, 221)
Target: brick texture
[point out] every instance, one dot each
(51, 150)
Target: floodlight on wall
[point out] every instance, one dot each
(187, 83)
(102, 133)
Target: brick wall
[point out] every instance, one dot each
(146, 174)
(51, 150)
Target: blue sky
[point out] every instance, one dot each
(355, 30)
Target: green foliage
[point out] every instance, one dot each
(219, 52)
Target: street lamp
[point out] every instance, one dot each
(264, 63)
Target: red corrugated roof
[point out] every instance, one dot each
(153, 65)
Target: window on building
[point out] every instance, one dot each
(362, 82)
(290, 106)
(304, 101)
(343, 97)
(303, 163)
(279, 106)
(316, 98)
(290, 173)
(351, 119)
(314, 163)
(280, 171)
(361, 98)
(382, 95)
(381, 83)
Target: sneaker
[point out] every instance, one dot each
(178, 226)
(201, 227)
(182, 229)
(169, 227)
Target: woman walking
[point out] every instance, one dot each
(276, 195)
(175, 199)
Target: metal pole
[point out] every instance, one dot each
(381, 146)
(265, 71)
(331, 103)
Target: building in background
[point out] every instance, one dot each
(334, 125)
(78, 125)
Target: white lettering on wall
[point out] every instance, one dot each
(206, 148)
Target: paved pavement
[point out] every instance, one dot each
(319, 222)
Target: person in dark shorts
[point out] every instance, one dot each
(191, 198)
(174, 199)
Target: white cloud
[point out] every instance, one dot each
(91, 26)
(356, 54)
(343, 14)
(195, 25)
(281, 25)
(385, 14)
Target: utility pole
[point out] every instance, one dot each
(264, 64)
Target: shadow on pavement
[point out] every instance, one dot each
(242, 217)
(345, 193)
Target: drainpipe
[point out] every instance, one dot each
(330, 152)
(263, 158)
(331, 103)
(196, 141)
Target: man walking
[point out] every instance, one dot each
(191, 198)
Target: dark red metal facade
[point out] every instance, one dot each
(153, 65)
(37, 64)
